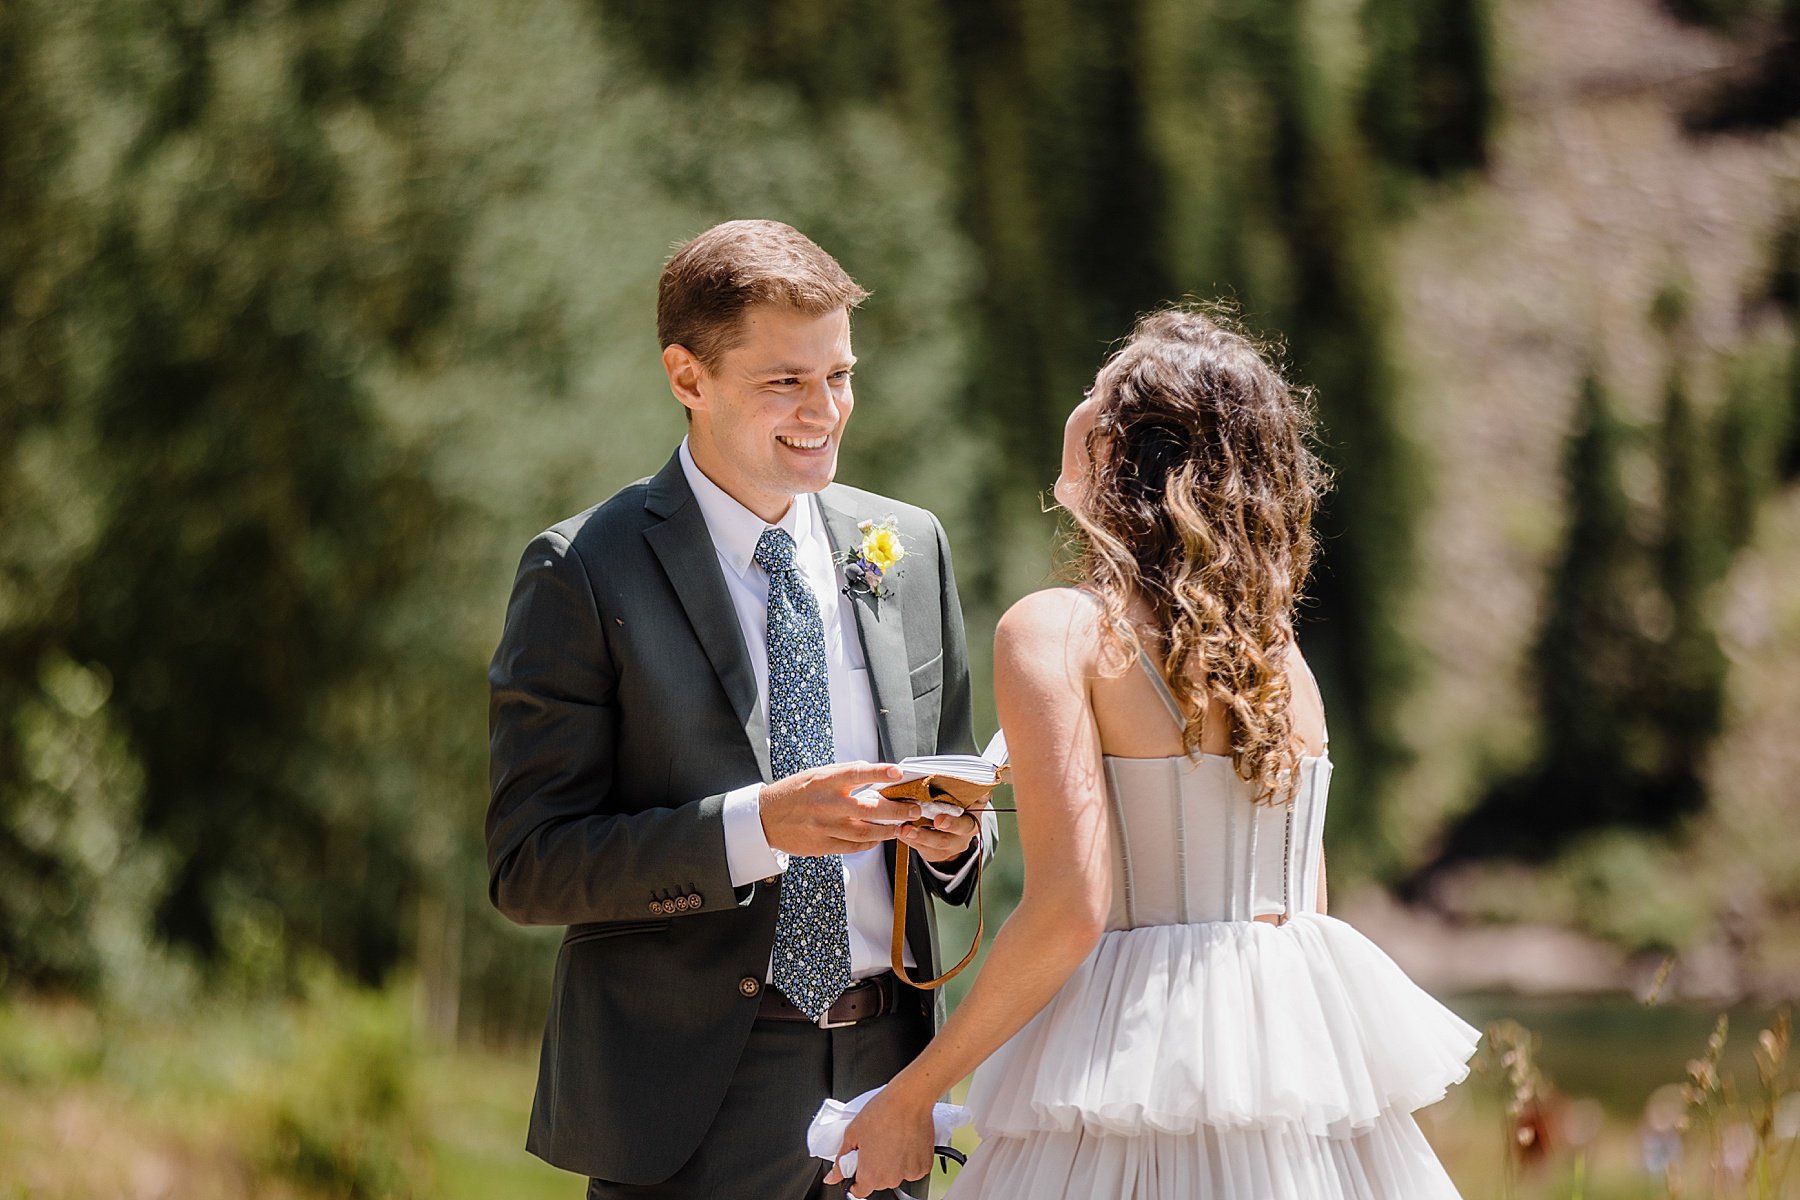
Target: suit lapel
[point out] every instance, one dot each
(684, 546)
(883, 642)
(884, 650)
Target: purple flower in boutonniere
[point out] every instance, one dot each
(866, 568)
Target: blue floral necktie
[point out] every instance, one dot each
(811, 962)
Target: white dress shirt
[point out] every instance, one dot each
(735, 531)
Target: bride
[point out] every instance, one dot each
(1169, 1013)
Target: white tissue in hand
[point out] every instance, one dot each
(927, 810)
(826, 1135)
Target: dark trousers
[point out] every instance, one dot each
(756, 1146)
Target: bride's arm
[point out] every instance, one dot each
(1045, 651)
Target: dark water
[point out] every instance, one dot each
(1619, 1051)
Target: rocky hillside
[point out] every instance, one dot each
(1513, 288)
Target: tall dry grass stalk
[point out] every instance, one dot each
(1509, 1053)
(1748, 1135)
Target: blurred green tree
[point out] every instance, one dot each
(1782, 294)
(1112, 157)
(1429, 98)
(1685, 695)
(209, 218)
(1628, 668)
(1761, 90)
(314, 312)
(317, 310)
(1587, 667)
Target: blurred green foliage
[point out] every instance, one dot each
(312, 313)
(207, 239)
(341, 1114)
(1628, 668)
(316, 312)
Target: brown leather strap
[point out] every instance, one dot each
(902, 860)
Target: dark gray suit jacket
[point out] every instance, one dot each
(623, 708)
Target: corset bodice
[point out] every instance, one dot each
(1189, 845)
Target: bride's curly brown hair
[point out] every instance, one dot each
(1199, 498)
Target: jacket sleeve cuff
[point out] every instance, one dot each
(952, 882)
(748, 855)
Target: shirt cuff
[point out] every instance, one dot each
(748, 855)
(951, 882)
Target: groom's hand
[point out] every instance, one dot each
(947, 838)
(812, 812)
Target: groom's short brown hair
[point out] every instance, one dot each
(707, 285)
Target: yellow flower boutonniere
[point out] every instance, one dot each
(867, 567)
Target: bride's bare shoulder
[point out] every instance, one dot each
(1047, 619)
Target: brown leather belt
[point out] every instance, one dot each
(871, 997)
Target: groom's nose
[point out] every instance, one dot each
(819, 403)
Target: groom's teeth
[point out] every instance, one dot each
(802, 443)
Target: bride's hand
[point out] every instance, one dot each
(892, 1137)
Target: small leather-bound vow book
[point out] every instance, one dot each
(948, 783)
(941, 785)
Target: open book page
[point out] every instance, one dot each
(983, 769)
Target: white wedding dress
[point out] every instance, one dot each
(1201, 1055)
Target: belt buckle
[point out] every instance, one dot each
(825, 1021)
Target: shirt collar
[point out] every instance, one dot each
(735, 529)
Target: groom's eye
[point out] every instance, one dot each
(841, 376)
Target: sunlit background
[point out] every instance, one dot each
(312, 312)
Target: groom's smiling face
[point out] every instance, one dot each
(769, 416)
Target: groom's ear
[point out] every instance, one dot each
(685, 374)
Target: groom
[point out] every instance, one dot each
(684, 697)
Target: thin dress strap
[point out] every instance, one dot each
(1174, 706)
(1162, 689)
(1124, 629)
(1162, 685)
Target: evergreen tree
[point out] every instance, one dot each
(1629, 672)
(1589, 655)
(1783, 292)
(1587, 669)
(1685, 693)
(1764, 92)
(1749, 437)
(1758, 429)
(1428, 100)
(215, 232)
(1114, 156)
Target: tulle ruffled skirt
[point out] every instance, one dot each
(1221, 1061)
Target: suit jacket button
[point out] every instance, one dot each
(771, 879)
(749, 985)
(693, 900)
(680, 903)
(656, 907)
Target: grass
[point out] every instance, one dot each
(336, 1096)
(331, 1097)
